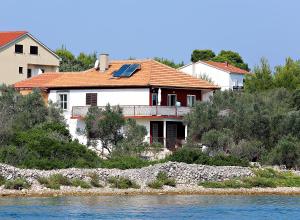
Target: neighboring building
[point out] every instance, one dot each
(156, 95)
(223, 74)
(23, 56)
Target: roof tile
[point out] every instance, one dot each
(7, 37)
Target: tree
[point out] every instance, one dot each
(261, 80)
(169, 63)
(104, 126)
(231, 57)
(70, 63)
(288, 76)
(286, 152)
(202, 55)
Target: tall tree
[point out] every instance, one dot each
(231, 57)
(288, 76)
(261, 80)
(202, 55)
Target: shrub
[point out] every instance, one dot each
(250, 150)
(95, 180)
(55, 181)
(122, 183)
(286, 152)
(2, 180)
(260, 182)
(161, 180)
(78, 182)
(17, 184)
(188, 155)
(125, 162)
(40, 149)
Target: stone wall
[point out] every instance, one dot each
(183, 173)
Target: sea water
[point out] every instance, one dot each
(152, 207)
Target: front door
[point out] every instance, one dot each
(171, 135)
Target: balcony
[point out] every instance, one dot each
(138, 111)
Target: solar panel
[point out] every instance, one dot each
(119, 72)
(130, 70)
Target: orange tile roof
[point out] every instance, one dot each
(152, 73)
(7, 37)
(226, 67)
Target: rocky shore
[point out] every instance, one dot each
(187, 177)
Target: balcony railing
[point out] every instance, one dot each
(138, 110)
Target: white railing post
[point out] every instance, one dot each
(165, 133)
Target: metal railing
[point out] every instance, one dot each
(138, 110)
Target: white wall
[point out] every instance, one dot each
(219, 77)
(130, 96)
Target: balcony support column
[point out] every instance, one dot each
(165, 133)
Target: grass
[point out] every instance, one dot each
(162, 179)
(80, 183)
(55, 181)
(95, 180)
(263, 178)
(18, 184)
(122, 183)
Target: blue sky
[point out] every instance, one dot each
(163, 28)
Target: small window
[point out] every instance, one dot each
(34, 50)
(191, 100)
(172, 99)
(29, 73)
(154, 99)
(91, 99)
(43, 70)
(20, 70)
(63, 101)
(18, 48)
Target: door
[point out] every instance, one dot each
(171, 135)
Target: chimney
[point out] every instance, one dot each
(104, 62)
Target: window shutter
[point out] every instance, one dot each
(91, 99)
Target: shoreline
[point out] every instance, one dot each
(288, 191)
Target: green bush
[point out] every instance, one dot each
(189, 155)
(125, 162)
(161, 180)
(81, 183)
(17, 184)
(2, 180)
(95, 180)
(260, 182)
(37, 148)
(55, 181)
(122, 183)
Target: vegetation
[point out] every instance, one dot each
(122, 183)
(80, 183)
(169, 63)
(254, 127)
(57, 180)
(262, 178)
(229, 56)
(70, 63)
(17, 184)
(192, 155)
(95, 180)
(162, 179)
(285, 76)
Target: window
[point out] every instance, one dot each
(172, 99)
(63, 101)
(191, 99)
(154, 99)
(20, 70)
(34, 50)
(43, 70)
(28, 73)
(91, 99)
(18, 48)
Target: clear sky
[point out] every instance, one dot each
(163, 28)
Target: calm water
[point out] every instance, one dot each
(148, 207)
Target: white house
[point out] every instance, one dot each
(155, 95)
(223, 74)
